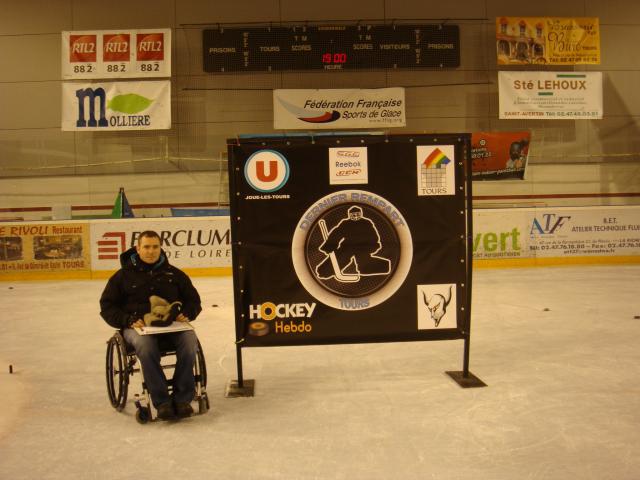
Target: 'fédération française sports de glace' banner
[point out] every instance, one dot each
(340, 239)
(116, 54)
(105, 106)
(335, 109)
(548, 40)
(550, 95)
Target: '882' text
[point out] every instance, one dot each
(84, 68)
(149, 67)
(117, 68)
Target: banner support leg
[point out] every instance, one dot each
(465, 357)
(239, 387)
(239, 365)
(465, 378)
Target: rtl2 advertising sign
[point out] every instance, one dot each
(116, 54)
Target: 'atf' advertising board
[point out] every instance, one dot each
(349, 239)
(561, 235)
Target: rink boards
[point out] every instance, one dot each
(201, 245)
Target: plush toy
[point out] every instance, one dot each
(162, 312)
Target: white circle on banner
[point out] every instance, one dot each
(266, 171)
(307, 277)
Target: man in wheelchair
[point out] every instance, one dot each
(124, 302)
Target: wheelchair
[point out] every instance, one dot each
(122, 363)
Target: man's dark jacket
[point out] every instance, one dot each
(126, 296)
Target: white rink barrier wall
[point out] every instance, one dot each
(201, 246)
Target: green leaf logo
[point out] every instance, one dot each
(130, 103)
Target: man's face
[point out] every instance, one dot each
(148, 249)
(515, 150)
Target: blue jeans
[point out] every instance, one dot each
(148, 352)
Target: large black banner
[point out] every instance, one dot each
(346, 239)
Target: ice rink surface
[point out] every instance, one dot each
(558, 348)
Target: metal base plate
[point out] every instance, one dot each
(233, 390)
(469, 381)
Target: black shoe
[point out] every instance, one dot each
(183, 409)
(166, 411)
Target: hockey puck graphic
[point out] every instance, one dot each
(352, 249)
(258, 329)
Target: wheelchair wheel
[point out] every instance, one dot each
(117, 371)
(201, 367)
(203, 404)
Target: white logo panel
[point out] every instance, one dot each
(348, 165)
(436, 170)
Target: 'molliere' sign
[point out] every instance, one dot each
(104, 106)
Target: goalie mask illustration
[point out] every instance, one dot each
(162, 313)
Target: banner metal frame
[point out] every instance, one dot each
(241, 387)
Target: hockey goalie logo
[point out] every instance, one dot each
(351, 247)
(352, 251)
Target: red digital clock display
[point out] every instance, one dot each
(334, 58)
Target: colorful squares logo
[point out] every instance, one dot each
(436, 159)
(435, 170)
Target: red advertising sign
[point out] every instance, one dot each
(149, 46)
(82, 48)
(499, 155)
(122, 53)
(116, 47)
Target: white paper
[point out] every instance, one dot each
(174, 327)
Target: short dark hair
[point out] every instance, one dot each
(148, 234)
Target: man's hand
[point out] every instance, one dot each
(138, 324)
(182, 318)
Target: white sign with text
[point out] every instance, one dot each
(335, 109)
(550, 95)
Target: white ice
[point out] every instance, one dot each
(558, 348)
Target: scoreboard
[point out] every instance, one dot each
(330, 47)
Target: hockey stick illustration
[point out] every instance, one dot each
(337, 273)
